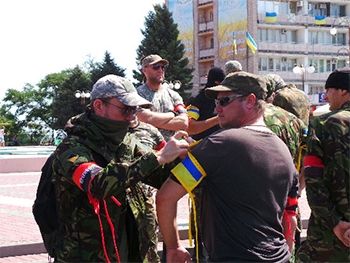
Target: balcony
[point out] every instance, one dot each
(205, 27)
(205, 54)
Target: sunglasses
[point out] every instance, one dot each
(157, 66)
(224, 101)
(126, 111)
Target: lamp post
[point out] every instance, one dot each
(82, 95)
(300, 70)
(176, 84)
(334, 31)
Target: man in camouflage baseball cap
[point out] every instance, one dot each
(101, 164)
(153, 59)
(115, 86)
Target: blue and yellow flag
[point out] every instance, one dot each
(271, 17)
(235, 46)
(189, 172)
(251, 43)
(192, 112)
(320, 20)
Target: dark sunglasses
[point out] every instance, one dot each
(224, 101)
(157, 66)
(126, 111)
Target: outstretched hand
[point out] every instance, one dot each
(176, 146)
(178, 255)
(342, 231)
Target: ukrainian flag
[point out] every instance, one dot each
(320, 20)
(271, 17)
(192, 112)
(189, 172)
(251, 43)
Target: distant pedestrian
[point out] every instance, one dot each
(327, 176)
(2, 136)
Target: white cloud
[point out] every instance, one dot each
(40, 37)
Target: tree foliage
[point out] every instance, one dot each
(107, 66)
(161, 37)
(65, 104)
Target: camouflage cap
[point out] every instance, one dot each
(270, 85)
(153, 59)
(240, 81)
(339, 79)
(232, 66)
(276, 80)
(115, 86)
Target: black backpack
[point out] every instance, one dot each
(45, 208)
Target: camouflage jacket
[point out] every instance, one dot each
(327, 177)
(293, 100)
(116, 174)
(288, 127)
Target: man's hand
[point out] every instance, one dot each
(342, 231)
(178, 255)
(176, 146)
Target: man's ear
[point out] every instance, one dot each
(97, 105)
(250, 100)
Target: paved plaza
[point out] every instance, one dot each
(20, 239)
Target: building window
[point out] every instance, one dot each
(337, 10)
(262, 64)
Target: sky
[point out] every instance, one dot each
(40, 37)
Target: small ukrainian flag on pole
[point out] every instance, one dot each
(251, 43)
(271, 17)
(320, 20)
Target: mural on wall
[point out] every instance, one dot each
(183, 16)
(233, 24)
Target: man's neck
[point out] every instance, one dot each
(154, 86)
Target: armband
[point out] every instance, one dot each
(180, 109)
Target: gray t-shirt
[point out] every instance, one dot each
(163, 100)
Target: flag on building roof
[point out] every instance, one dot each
(251, 43)
(320, 20)
(271, 17)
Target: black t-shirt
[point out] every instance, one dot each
(206, 108)
(249, 175)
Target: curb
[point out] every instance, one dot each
(39, 248)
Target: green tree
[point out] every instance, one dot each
(65, 104)
(107, 66)
(161, 37)
(20, 110)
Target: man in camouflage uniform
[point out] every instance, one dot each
(290, 129)
(327, 174)
(290, 98)
(98, 169)
(168, 112)
(152, 138)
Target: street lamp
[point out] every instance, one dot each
(176, 84)
(82, 95)
(300, 70)
(334, 31)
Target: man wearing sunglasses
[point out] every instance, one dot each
(98, 170)
(168, 112)
(245, 183)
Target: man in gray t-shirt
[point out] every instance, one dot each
(168, 112)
